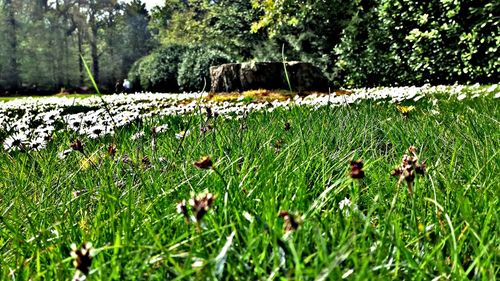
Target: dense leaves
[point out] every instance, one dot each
(194, 74)
(158, 71)
(356, 43)
(408, 42)
(41, 43)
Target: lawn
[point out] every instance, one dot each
(282, 196)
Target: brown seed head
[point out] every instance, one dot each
(182, 209)
(112, 150)
(146, 163)
(396, 172)
(291, 221)
(287, 126)
(358, 164)
(201, 204)
(77, 146)
(126, 159)
(204, 163)
(83, 257)
(420, 169)
(412, 149)
(209, 112)
(357, 174)
(357, 169)
(206, 128)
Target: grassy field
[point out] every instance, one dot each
(285, 207)
(5, 99)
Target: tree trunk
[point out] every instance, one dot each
(13, 72)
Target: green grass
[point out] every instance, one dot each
(80, 96)
(129, 212)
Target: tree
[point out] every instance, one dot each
(10, 69)
(309, 29)
(136, 34)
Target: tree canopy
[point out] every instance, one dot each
(356, 43)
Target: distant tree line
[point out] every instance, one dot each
(41, 42)
(355, 42)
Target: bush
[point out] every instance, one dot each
(415, 42)
(157, 72)
(194, 70)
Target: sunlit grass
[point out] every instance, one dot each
(277, 189)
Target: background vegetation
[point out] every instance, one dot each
(356, 43)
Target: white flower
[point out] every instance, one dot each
(344, 203)
(38, 144)
(64, 153)
(96, 131)
(461, 97)
(161, 129)
(492, 88)
(137, 135)
(182, 134)
(15, 142)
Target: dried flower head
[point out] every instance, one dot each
(146, 163)
(204, 163)
(201, 204)
(420, 168)
(278, 145)
(126, 160)
(182, 209)
(357, 169)
(209, 112)
(206, 128)
(82, 257)
(77, 193)
(77, 146)
(287, 126)
(291, 221)
(409, 166)
(112, 150)
(413, 150)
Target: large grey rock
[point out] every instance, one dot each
(228, 77)
(267, 75)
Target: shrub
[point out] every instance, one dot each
(195, 67)
(157, 72)
(415, 42)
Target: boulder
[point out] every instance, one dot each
(267, 75)
(228, 77)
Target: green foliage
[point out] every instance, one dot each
(176, 68)
(41, 43)
(194, 71)
(362, 57)
(309, 30)
(355, 43)
(136, 35)
(158, 71)
(408, 42)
